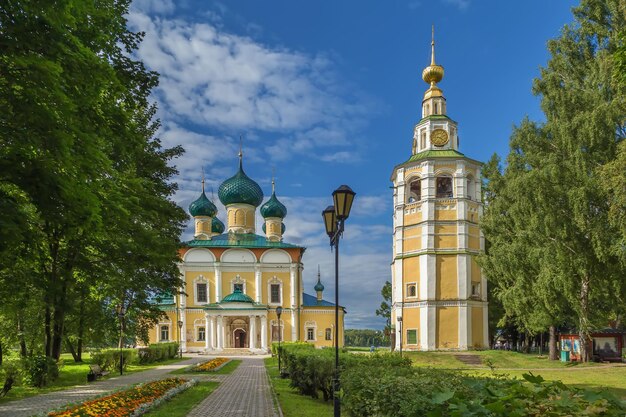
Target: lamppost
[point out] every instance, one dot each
(279, 311)
(180, 346)
(400, 325)
(121, 311)
(334, 217)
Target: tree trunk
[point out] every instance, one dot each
(70, 347)
(553, 356)
(20, 332)
(583, 327)
(47, 325)
(81, 327)
(57, 333)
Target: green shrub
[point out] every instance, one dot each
(157, 352)
(109, 359)
(288, 345)
(39, 370)
(9, 374)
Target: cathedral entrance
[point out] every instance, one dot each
(239, 336)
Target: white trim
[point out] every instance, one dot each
(307, 326)
(414, 283)
(274, 281)
(200, 279)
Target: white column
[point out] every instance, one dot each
(182, 330)
(220, 332)
(213, 344)
(208, 335)
(257, 282)
(218, 282)
(292, 281)
(423, 338)
(252, 338)
(264, 333)
(293, 325)
(465, 327)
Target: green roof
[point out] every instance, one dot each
(436, 153)
(202, 207)
(217, 226)
(246, 240)
(436, 117)
(240, 189)
(273, 208)
(237, 296)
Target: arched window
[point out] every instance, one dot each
(423, 141)
(471, 188)
(415, 191)
(444, 187)
(240, 217)
(436, 108)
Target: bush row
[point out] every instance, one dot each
(109, 359)
(385, 385)
(36, 371)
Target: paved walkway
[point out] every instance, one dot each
(244, 393)
(54, 400)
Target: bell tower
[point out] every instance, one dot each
(439, 295)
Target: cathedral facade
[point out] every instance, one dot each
(235, 280)
(439, 295)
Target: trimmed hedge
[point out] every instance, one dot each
(109, 359)
(157, 352)
(386, 385)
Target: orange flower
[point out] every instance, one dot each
(209, 365)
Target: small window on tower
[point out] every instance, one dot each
(423, 141)
(310, 334)
(238, 287)
(411, 337)
(415, 191)
(476, 289)
(444, 187)
(411, 290)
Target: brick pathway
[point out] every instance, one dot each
(54, 400)
(244, 393)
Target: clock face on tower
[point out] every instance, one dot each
(439, 137)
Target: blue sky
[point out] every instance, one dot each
(327, 93)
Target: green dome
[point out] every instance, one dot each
(319, 286)
(273, 208)
(217, 226)
(240, 189)
(237, 297)
(282, 228)
(202, 207)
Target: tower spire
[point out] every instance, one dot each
(432, 48)
(240, 154)
(273, 180)
(202, 180)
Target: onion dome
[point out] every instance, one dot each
(240, 189)
(432, 74)
(202, 207)
(273, 207)
(217, 226)
(237, 296)
(319, 286)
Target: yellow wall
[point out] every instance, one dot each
(412, 218)
(190, 276)
(323, 320)
(447, 327)
(449, 214)
(475, 271)
(474, 237)
(446, 236)
(477, 327)
(285, 277)
(227, 277)
(447, 283)
(410, 320)
(411, 273)
(412, 239)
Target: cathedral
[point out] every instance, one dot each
(235, 280)
(439, 294)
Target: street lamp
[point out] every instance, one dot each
(334, 217)
(279, 311)
(400, 325)
(180, 346)
(121, 311)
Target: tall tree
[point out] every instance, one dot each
(558, 223)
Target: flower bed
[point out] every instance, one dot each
(211, 365)
(128, 403)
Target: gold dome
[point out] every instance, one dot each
(433, 73)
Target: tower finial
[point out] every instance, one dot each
(273, 180)
(432, 48)
(202, 180)
(318, 273)
(240, 154)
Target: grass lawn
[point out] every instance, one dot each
(292, 403)
(182, 403)
(224, 370)
(72, 373)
